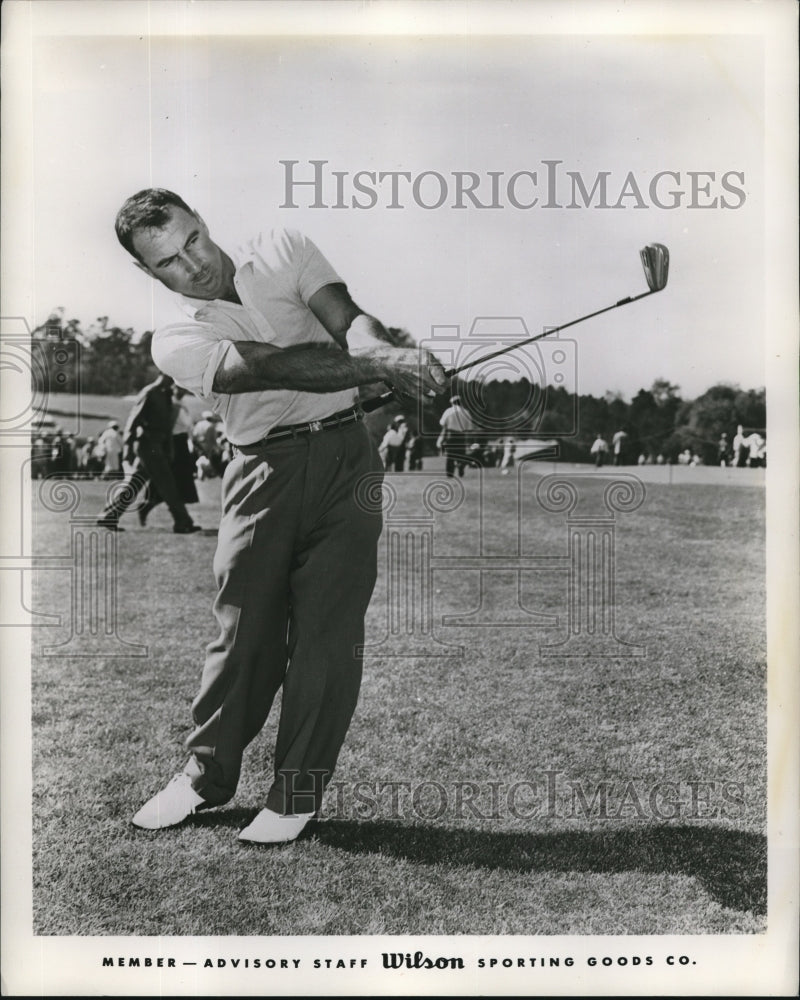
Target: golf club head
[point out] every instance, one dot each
(655, 260)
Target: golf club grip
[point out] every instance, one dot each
(376, 402)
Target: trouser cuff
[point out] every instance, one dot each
(206, 781)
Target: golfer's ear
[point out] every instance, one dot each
(200, 219)
(145, 268)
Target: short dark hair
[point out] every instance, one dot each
(147, 209)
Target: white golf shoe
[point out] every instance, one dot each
(173, 804)
(271, 828)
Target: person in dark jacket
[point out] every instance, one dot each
(147, 443)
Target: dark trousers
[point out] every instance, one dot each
(455, 450)
(296, 564)
(182, 466)
(151, 466)
(395, 458)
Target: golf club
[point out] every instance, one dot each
(655, 261)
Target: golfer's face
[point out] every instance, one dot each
(183, 257)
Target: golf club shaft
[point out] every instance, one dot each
(376, 402)
(556, 329)
(655, 258)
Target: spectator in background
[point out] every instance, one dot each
(739, 448)
(182, 462)
(183, 458)
(96, 462)
(208, 446)
(492, 454)
(85, 456)
(476, 455)
(392, 448)
(109, 445)
(147, 444)
(618, 444)
(226, 449)
(456, 424)
(414, 450)
(509, 450)
(599, 450)
(40, 458)
(71, 454)
(203, 468)
(56, 465)
(723, 450)
(755, 445)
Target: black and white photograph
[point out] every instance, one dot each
(399, 442)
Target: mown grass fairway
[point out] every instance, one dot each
(503, 792)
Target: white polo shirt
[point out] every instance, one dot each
(276, 274)
(456, 418)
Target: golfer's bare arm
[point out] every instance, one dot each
(250, 366)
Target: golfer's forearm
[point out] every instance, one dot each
(364, 330)
(254, 367)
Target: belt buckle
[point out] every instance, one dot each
(315, 425)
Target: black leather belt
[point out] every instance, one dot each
(339, 419)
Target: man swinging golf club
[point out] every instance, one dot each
(270, 348)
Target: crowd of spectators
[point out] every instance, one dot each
(202, 449)
(206, 451)
(748, 449)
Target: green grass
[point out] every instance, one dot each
(690, 588)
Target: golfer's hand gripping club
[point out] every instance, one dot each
(411, 374)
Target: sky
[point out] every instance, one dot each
(213, 116)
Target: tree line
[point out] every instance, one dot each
(657, 420)
(105, 359)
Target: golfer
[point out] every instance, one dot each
(270, 348)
